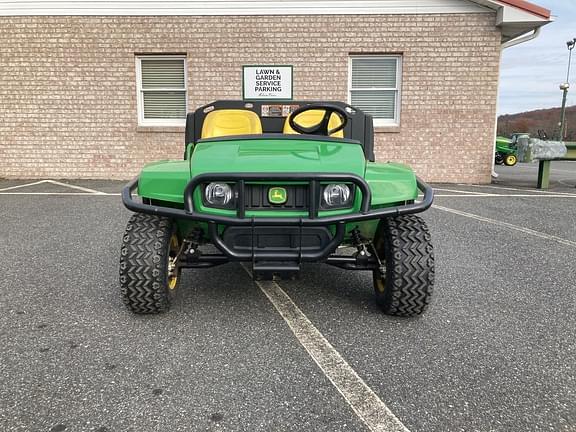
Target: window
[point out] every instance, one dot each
(374, 84)
(161, 90)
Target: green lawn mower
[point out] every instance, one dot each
(276, 185)
(506, 153)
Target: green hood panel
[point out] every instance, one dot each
(277, 155)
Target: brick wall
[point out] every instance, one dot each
(68, 92)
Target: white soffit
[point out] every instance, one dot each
(235, 7)
(514, 21)
(509, 14)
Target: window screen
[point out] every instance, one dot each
(162, 88)
(374, 86)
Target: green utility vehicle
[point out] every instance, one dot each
(505, 152)
(506, 149)
(275, 186)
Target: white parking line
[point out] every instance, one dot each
(535, 191)
(459, 191)
(62, 193)
(508, 225)
(564, 180)
(93, 191)
(551, 195)
(361, 398)
(535, 168)
(85, 191)
(23, 185)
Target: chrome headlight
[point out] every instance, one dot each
(336, 195)
(218, 194)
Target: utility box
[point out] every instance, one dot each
(533, 149)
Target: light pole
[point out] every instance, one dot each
(564, 87)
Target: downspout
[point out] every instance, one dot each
(517, 41)
(522, 39)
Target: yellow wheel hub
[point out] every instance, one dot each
(172, 281)
(379, 281)
(172, 256)
(380, 285)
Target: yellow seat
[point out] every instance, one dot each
(311, 118)
(231, 122)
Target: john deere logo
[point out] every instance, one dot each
(277, 195)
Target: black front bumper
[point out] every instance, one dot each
(296, 226)
(313, 179)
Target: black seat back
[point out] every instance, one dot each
(273, 114)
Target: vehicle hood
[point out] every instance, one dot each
(277, 156)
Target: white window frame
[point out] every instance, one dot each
(398, 89)
(140, 92)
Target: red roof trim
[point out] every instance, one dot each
(528, 7)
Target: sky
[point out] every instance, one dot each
(532, 72)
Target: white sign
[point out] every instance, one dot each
(267, 82)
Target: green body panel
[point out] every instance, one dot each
(164, 180)
(571, 153)
(277, 156)
(544, 165)
(390, 183)
(504, 146)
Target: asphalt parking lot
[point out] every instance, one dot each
(495, 351)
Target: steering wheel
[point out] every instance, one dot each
(320, 128)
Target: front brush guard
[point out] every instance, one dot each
(297, 254)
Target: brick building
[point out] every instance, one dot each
(96, 89)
